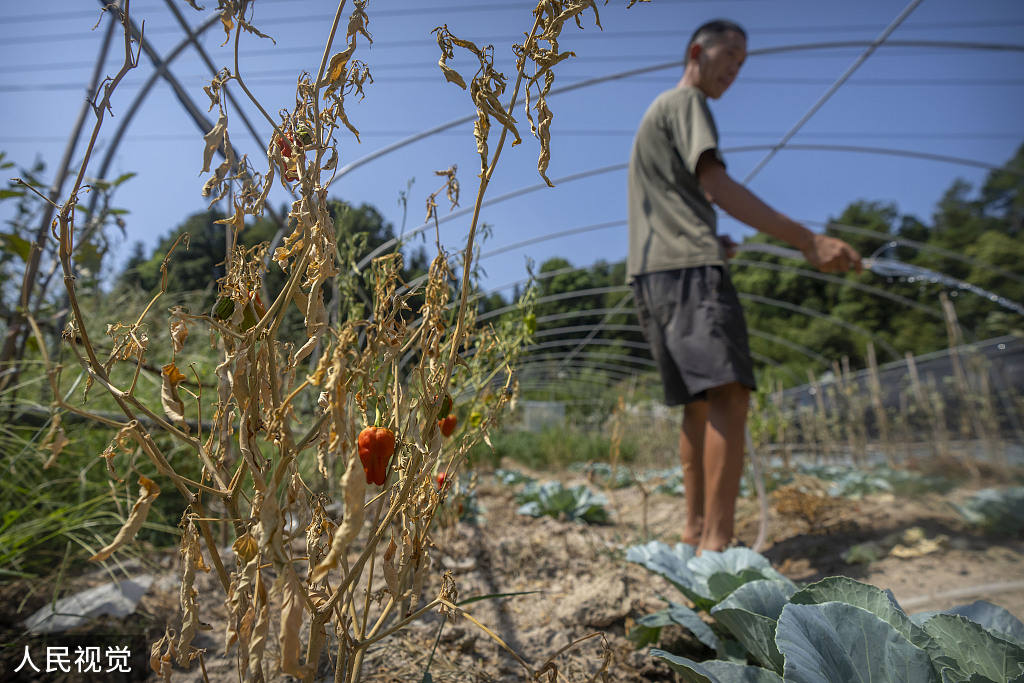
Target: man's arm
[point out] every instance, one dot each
(827, 254)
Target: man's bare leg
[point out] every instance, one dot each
(723, 462)
(691, 455)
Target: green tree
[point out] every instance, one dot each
(198, 263)
(1002, 196)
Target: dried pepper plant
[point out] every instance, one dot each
(325, 557)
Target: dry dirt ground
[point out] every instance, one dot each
(572, 581)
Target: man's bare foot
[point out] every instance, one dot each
(713, 544)
(692, 536)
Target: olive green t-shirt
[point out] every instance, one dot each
(671, 223)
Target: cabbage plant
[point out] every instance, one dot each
(834, 631)
(576, 503)
(996, 511)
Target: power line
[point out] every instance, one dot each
(581, 132)
(43, 17)
(584, 80)
(833, 89)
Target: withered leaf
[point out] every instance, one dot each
(173, 406)
(55, 440)
(336, 68)
(160, 656)
(213, 140)
(179, 329)
(451, 75)
(391, 571)
(293, 606)
(148, 491)
(353, 483)
(188, 595)
(228, 22)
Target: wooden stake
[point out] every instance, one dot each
(881, 417)
(821, 417)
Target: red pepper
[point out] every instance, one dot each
(289, 170)
(448, 425)
(376, 446)
(284, 146)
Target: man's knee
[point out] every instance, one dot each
(731, 393)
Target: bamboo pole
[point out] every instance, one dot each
(878, 405)
(807, 433)
(784, 445)
(932, 413)
(821, 417)
(856, 415)
(988, 415)
(970, 420)
(903, 423)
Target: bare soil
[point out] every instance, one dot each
(571, 597)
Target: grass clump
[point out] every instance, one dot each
(550, 449)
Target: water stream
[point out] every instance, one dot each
(892, 268)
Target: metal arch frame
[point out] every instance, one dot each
(814, 355)
(600, 356)
(161, 71)
(674, 64)
(608, 312)
(751, 297)
(853, 284)
(533, 369)
(616, 327)
(590, 339)
(536, 187)
(796, 308)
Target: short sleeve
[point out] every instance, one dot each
(695, 132)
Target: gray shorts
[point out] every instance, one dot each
(694, 322)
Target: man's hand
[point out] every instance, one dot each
(831, 255)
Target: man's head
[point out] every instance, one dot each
(714, 56)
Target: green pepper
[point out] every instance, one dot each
(305, 134)
(446, 406)
(223, 309)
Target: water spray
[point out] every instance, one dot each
(893, 268)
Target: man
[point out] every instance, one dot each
(687, 305)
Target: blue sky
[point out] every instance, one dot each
(959, 101)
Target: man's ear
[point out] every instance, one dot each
(695, 50)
